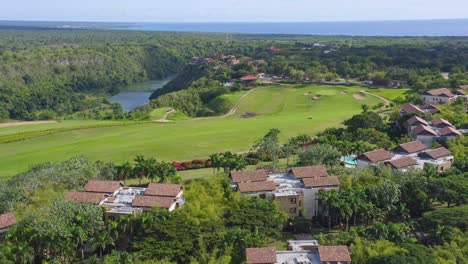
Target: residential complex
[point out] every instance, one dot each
(300, 251)
(442, 95)
(429, 132)
(117, 199)
(296, 190)
(411, 155)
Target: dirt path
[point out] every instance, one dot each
(164, 118)
(386, 101)
(26, 123)
(236, 105)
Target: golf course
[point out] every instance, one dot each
(291, 108)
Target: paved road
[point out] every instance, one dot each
(26, 123)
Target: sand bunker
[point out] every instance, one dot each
(359, 96)
(26, 123)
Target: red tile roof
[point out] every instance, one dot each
(163, 189)
(411, 147)
(416, 120)
(449, 131)
(436, 153)
(249, 176)
(245, 187)
(444, 92)
(260, 255)
(102, 186)
(429, 108)
(321, 182)
(411, 108)
(309, 172)
(440, 122)
(424, 130)
(153, 201)
(249, 78)
(376, 155)
(85, 197)
(334, 254)
(7, 220)
(403, 162)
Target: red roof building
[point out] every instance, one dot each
(334, 254)
(249, 78)
(260, 255)
(6, 221)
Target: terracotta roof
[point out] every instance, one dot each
(85, 197)
(429, 108)
(411, 147)
(439, 122)
(309, 172)
(245, 187)
(424, 130)
(249, 78)
(463, 87)
(260, 255)
(376, 155)
(334, 254)
(411, 108)
(7, 220)
(102, 186)
(321, 181)
(436, 153)
(402, 162)
(449, 131)
(445, 92)
(416, 120)
(249, 176)
(163, 189)
(460, 92)
(153, 201)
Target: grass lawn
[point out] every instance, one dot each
(390, 94)
(291, 109)
(158, 113)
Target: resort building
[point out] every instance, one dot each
(437, 130)
(6, 222)
(299, 251)
(407, 156)
(295, 190)
(430, 109)
(409, 108)
(118, 200)
(438, 96)
(373, 157)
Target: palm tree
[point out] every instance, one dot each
(140, 168)
(114, 231)
(344, 210)
(124, 171)
(102, 241)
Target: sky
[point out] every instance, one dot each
(230, 10)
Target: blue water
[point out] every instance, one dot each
(137, 94)
(349, 161)
(452, 27)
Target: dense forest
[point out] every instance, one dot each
(52, 73)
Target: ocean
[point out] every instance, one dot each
(446, 27)
(453, 27)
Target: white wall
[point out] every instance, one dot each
(436, 99)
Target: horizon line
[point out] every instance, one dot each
(233, 22)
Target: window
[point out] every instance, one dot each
(292, 210)
(292, 200)
(262, 195)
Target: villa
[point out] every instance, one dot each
(438, 96)
(299, 251)
(295, 190)
(118, 200)
(409, 108)
(6, 222)
(407, 156)
(437, 130)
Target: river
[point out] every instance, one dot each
(138, 94)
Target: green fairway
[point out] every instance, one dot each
(292, 110)
(390, 94)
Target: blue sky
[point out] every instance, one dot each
(230, 10)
